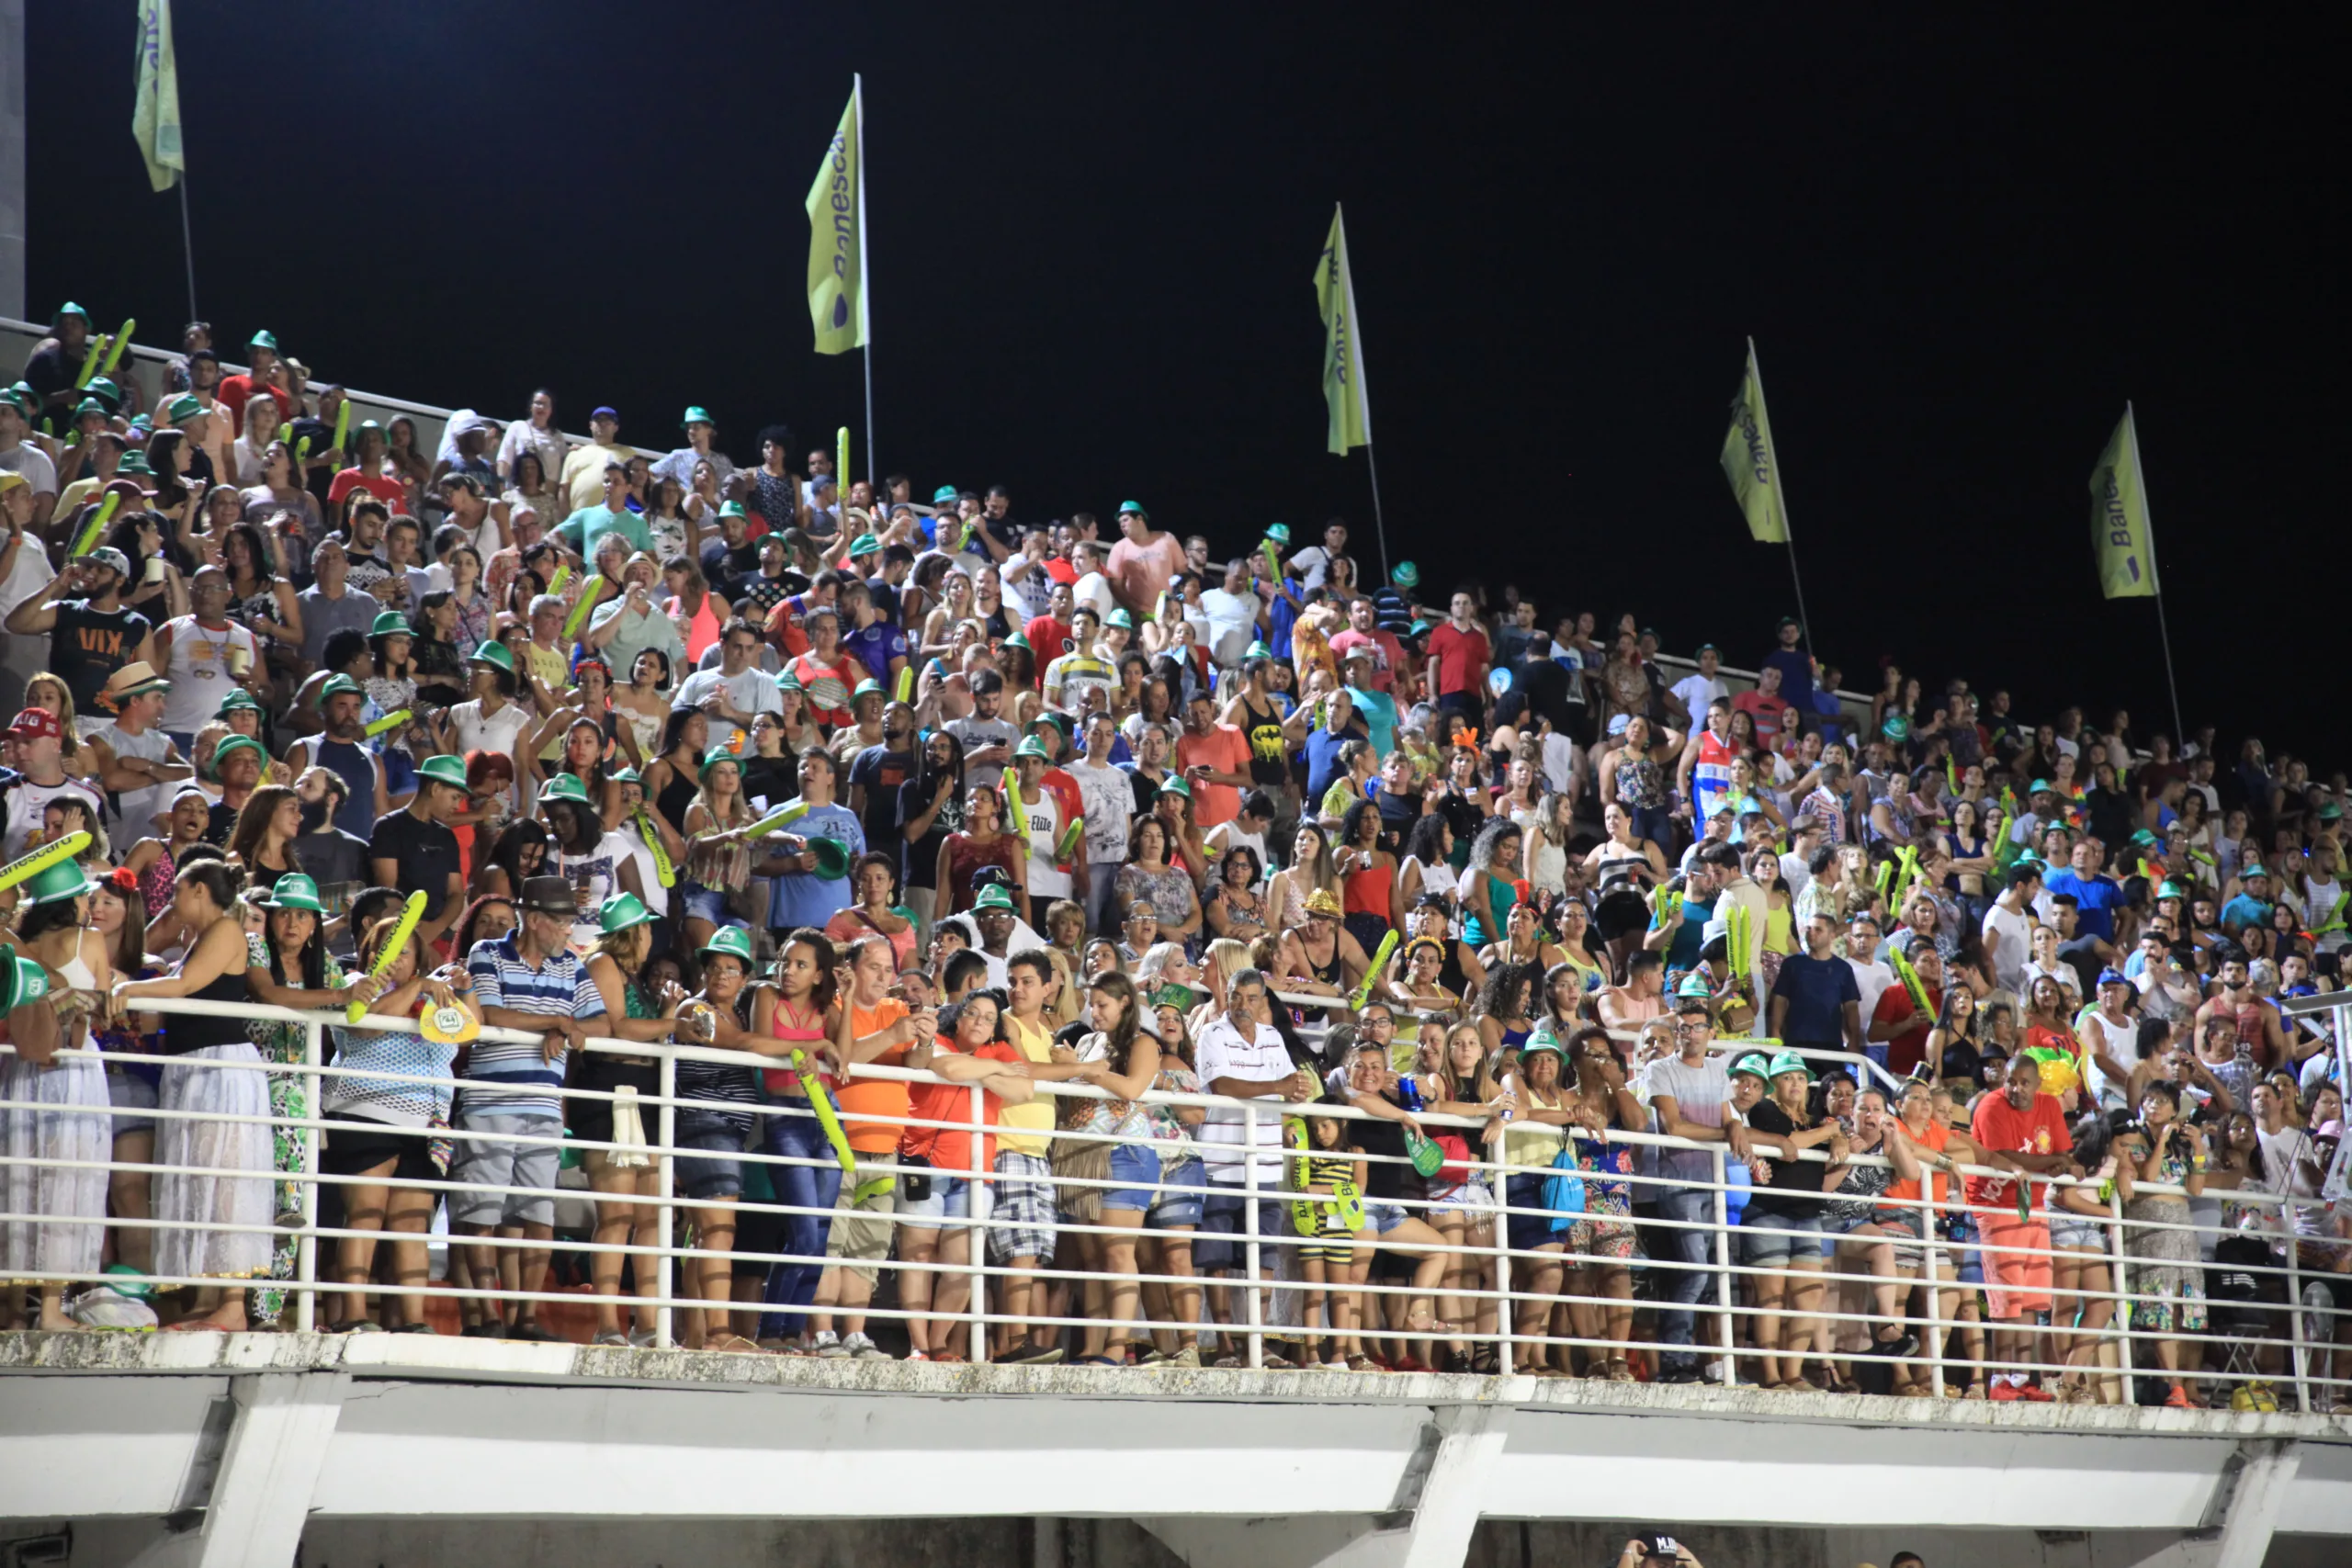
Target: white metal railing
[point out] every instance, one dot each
(1479, 1299)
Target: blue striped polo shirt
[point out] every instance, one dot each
(559, 989)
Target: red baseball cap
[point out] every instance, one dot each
(37, 721)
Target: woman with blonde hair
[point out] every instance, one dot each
(49, 691)
(718, 856)
(608, 1123)
(1312, 867)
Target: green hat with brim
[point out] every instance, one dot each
(53, 884)
(832, 857)
(734, 509)
(1030, 746)
(626, 775)
(240, 698)
(262, 340)
(1694, 989)
(868, 687)
(1278, 531)
(1755, 1063)
(133, 463)
(2039, 786)
(708, 763)
(71, 308)
(1016, 640)
(2170, 890)
(945, 495)
(1176, 784)
(567, 787)
(493, 654)
(1789, 1062)
(184, 406)
(89, 406)
(695, 414)
(1135, 507)
(619, 912)
(294, 891)
(335, 685)
(22, 981)
(1120, 618)
(451, 769)
(2250, 872)
(994, 898)
(237, 743)
(1407, 575)
(864, 544)
(391, 622)
(733, 942)
(785, 680)
(1543, 1037)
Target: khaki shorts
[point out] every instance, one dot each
(861, 1234)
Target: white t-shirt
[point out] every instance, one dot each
(594, 877)
(2010, 939)
(1221, 1052)
(1041, 824)
(1315, 565)
(1095, 588)
(1698, 691)
(752, 692)
(1233, 624)
(498, 732)
(34, 464)
(1700, 1094)
(138, 808)
(1874, 978)
(199, 671)
(28, 801)
(1109, 799)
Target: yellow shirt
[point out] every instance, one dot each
(582, 481)
(1533, 1145)
(1036, 1045)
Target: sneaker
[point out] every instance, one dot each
(862, 1348)
(1682, 1374)
(2034, 1393)
(828, 1346)
(2003, 1391)
(2176, 1398)
(918, 1355)
(1190, 1355)
(532, 1333)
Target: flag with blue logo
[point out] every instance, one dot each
(2120, 535)
(837, 235)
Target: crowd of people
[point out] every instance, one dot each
(1979, 1019)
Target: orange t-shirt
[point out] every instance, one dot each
(949, 1148)
(1934, 1136)
(874, 1097)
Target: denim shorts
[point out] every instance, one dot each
(1383, 1217)
(702, 903)
(1760, 1243)
(1184, 1185)
(1134, 1172)
(950, 1198)
(1527, 1232)
(2076, 1233)
(711, 1171)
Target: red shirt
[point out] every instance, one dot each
(1999, 1127)
(1765, 710)
(1224, 749)
(383, 487)
(1388, 654)
(235, 392)
(1046, 637)
(1462, 658)
(1905, 1051)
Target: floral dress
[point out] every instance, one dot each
(289, 1100)
(2168, 1276)
(1606, 1228)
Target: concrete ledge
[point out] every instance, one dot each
(426, 1358)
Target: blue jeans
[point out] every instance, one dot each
(1681, 1286)
(793, 1285)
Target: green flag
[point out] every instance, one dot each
(2120, 537)
(155, 115)
(1750, 461)
(837, 234)
(1343, 387)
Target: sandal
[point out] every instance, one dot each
(614, 1337)
(1621, 1369)
(946, 1359)
(733, 1345)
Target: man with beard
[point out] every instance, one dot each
(338, 749)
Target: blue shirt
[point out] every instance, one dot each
(1379, 711)
(805, 898)
(2246, 910)
(559, 989)
(874, 647)
(1323, 758)
(1795, 665)
(1818, 990)
(2096, 898)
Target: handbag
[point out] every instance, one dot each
(1456, 1170)
(1564, 1189)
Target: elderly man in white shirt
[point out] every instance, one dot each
(1240, 1055)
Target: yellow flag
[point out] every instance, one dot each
(837, 235)
(1750, 461)
(1343, 389)
(2120, 535)
(155, 114)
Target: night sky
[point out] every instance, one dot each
(1961, 242)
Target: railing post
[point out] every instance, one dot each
(306, 1246)
(1932, 1256)
(2119, 1322)
(665, 1267)
(1254, 1313)
(977, 1204)
(2295, 1355)
(1724, 1327)
(1506, 1320)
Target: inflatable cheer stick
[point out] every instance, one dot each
(412, 914)
(1068, 844)
(1306, 1216)
(777, 820)
(90, 362)
(387, 724)
(827, 1117)
(591, 589)
(664, 872)
(1910, 978)
(89, 539)
(1013, 801)
(342, 427)
(562, 575)
(906, 683)
(841, 457)
(1380, 958)
(121, 341)
(38, 861)
(1348, 1199)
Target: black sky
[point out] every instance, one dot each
(1961, 241)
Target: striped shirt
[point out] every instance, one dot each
(557, 989)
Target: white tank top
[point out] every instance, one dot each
(200, 671)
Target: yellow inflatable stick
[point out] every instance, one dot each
(791, 811)
(906, 683)
(97, 525)
(342, 427)
(827, 1117)
(35, 862)
(591, 588)
(664, 872)
(562, 575)
(1380, 958)
(121, 341)
(841, 459)
(412, 915)
(387, 724)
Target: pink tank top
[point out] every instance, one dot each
(783, 1082)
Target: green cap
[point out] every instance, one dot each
(1278, 531)
(2142, 836)
(622, 911)
(1543, 1037)
(184, 406)
(443, 769)
(234, 743)
(1897, 728)
(716, 755)
(1015, 639)
(1176, 784)
(1135, 507)
(262, 340)
(239, 698)
(1031, 747)
(2330, 812)
(391, 622)
(945, 495)
(732, 941)
(1407, 575)
(52, 884)
(1421, 627)
(132, 463)
(785, 680)
(1120, 618)
(2039, 786)
(2170, 889)
(695, 414)
(71, 308)
(1789, 1062)
(89, 406)
(2250, 872)
(865, 686)
(567, 787)
(864, 544)
(22, 981)
(494, 653)
(733, 509)
(334, 685)
(625, 775)
(1259, 651)
(993, 898)
(294, 891)
(1755, 1063)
